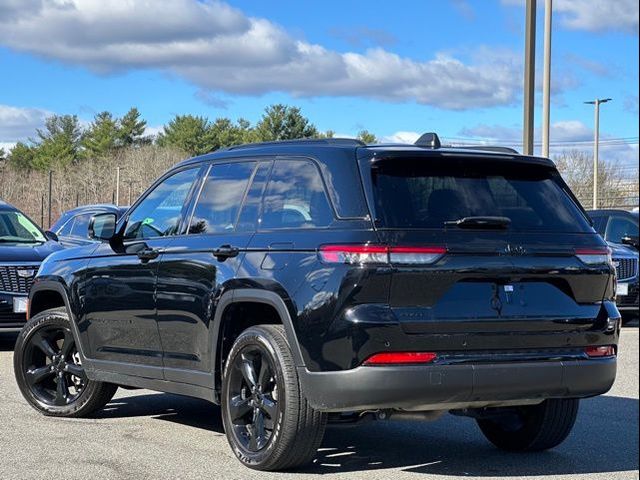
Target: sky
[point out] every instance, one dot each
(397, 69)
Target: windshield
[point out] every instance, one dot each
(17, 228)
(427, 193)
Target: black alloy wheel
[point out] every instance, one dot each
(253, 398)
(48, 368)
(52, 367)
(267, 420)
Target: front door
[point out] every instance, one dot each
(119, 305)
(195, 268)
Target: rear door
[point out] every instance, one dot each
(542, 269)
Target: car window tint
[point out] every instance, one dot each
(620, 227)
(159, 213)
(426, 194)
(80, 227)
(251, 207)
(295, 197)
(599, 223)
(220, 199)
(65, 231)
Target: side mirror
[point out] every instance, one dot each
(103, 226)
(632, 241)
(51, 236)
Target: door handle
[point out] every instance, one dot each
(225, 251)
(147, 254)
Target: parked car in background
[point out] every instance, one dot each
(620, 229)
(23, 247)
(72, 228)
(297, 283)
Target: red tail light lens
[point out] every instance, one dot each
(380, 254)
(601, 351)
(594, 256)
(400, 358)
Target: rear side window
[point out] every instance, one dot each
(295, 197)
(219, 202)
(426, 193)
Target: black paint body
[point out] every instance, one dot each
(158, 323)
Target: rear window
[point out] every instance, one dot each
(426, 193)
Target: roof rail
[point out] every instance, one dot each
(344, 142)
(487, 148)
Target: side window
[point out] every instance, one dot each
(80, 227)
(251, 207)
(65, 231)
(620, 227)
(295, 197)
(219, 202)
(600, 224)
(159, 213)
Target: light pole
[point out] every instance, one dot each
(529, 76)
(596, 140)
(546, 83)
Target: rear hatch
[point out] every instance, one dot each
(486, 244)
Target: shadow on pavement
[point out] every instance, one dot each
(7, 341)
(603, 440)
(164, 406)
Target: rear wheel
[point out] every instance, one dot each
(267, 420)
(532, 427)
(49, 370)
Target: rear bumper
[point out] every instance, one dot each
(444, 387)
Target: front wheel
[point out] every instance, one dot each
(267, 420)
(49, 370)
(532, 427)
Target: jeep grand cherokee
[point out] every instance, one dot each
(296, 283)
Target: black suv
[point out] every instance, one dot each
(302, 282)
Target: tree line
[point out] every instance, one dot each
(64, 141)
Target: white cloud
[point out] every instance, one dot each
(401, 137)
(7, 146)
(594, 15)
(153, 131)
(220, 49)
(564, 135)
(18, 123)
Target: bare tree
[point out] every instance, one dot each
(615, 189)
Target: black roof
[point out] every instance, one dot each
(322, 147)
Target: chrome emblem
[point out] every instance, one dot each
(26, 273)
(515, 251)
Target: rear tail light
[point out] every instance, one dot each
(380, 254)
(400, 358)
(594, 256)
(600, 351)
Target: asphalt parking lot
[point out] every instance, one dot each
(142, 434)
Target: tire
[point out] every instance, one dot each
(291, 430)
(48, 370)
(538, 427)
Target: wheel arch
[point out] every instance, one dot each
(277, 313)
(48, 294)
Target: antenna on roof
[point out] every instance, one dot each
(429, 140)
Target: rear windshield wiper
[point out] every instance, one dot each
(480, 222)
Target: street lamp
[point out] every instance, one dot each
(596, 140)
